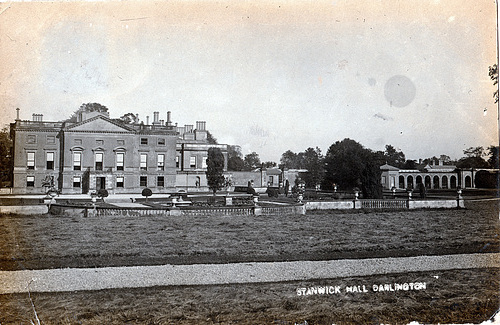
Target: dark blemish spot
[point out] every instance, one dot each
(399, 91)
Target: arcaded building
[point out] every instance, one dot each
(93, 151)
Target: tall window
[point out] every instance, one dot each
(143, 181)
(177, 164)
(160, 181)
(161, 161)
(77, 161)
(192, 162)
(30, 162)
(204, 162)
(144, 161)
(30, 181)
(119, 181)
(119, 160)
(50, 160)
(98, 160)
(77, 181)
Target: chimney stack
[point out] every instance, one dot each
(169, 121)
(17, 109)
(147, 120)
(156, 118)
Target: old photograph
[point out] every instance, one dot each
(257, 162)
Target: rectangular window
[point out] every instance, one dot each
(120, 142)
(50, 160)
(30, 181)
(51, 139)
(30, 161)
(119, 181)
(31, 138)
(144, 161)
(177, 164)
(77, 181)
(99, 142)
(204, 162)
(98, 160)
(143, 181)
(77, 161)
(161, 142)
(78, 141)
(161, 181)
(161, 162)
(144, 140)
(192, 162)
(119, 160)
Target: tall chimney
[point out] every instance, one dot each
(147, 120)
(169, 121)
(156, 118)
(17, 109)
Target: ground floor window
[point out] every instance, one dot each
(30, 181)
(143, 181)
(161, 181)
(119, 181)
(77, 181)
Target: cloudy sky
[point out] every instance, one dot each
(269, 76)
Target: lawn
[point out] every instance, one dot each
(454, 296)
(36, 242)
(458, 297)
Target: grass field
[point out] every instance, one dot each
(35, 242)
(454, 296)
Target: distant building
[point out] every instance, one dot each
(436, 176)
(94, 151)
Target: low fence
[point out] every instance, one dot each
(59, 209)
(386, 204)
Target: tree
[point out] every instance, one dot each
(102, 193)
(215, 169)
(129, 118)
(234, 160)
(493, 73)
(314, 163)
(89, 107)
(268, 164)
(6, 159)
(394, 157)
(493, 156)
(252, 161)
(349, 165)
(210, 138)
(473, 158)
(147, 193)
(289, 160)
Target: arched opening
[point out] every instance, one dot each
(427, 181)
(444, 181)
(468, 182)
(453, 182)
(410, 182)
(419, 179)
(401, 181)
(435, 180)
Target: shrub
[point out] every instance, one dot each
(147, 192)
(102, 193)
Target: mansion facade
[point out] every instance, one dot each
(93, 151)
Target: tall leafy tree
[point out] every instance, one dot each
(234, 159)
(6, 159)
(394, 157)
(215, 169)
(314, 163)
(493, 156)
(211, 139)
(473, 158)
(289, 160)
(349, 165)
(252, 161)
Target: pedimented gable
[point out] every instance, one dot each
(98, 124)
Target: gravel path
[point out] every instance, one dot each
(73, 279)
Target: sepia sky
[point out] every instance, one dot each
(270, 76)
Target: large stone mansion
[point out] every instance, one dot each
(96, 152)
